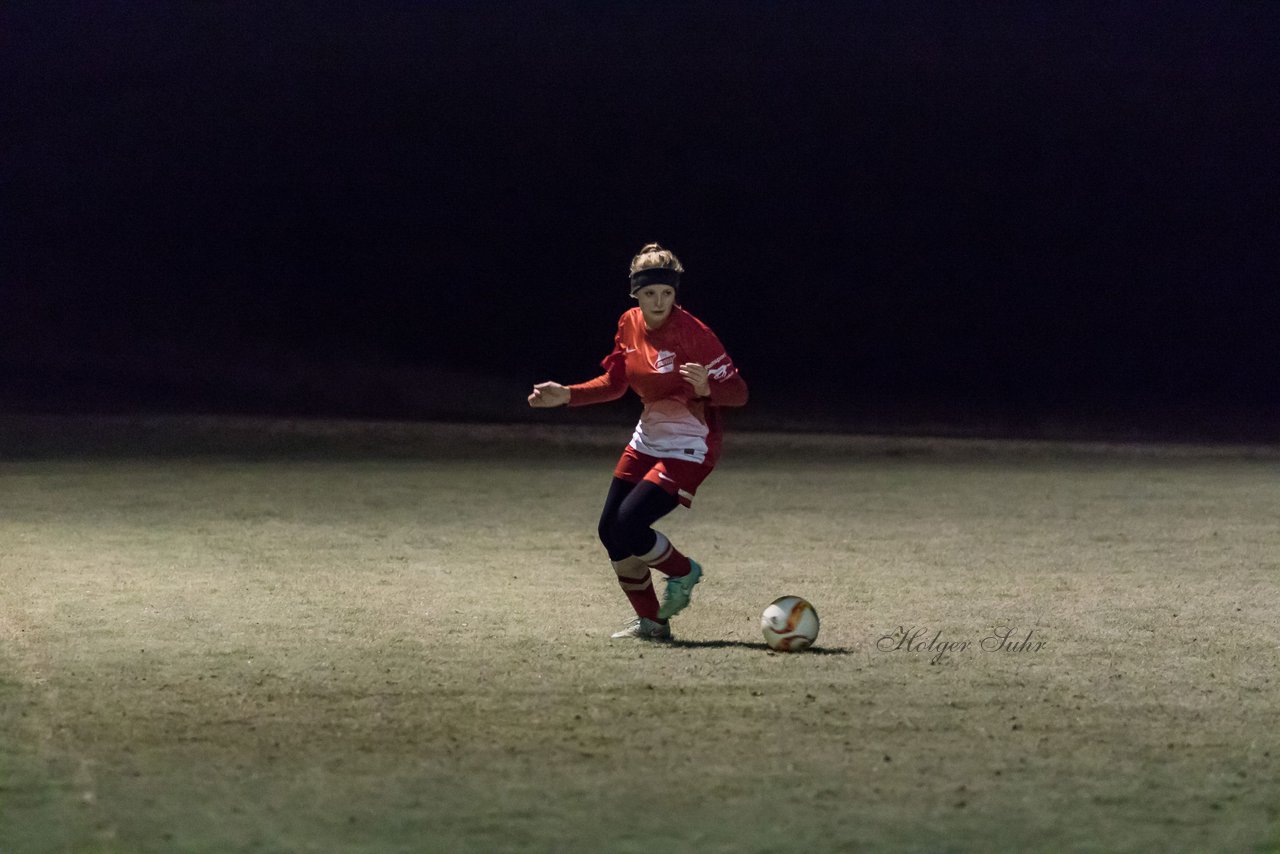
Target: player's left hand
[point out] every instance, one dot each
(696, 376)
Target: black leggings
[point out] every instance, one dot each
(630, 509)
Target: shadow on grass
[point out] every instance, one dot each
(757, 645)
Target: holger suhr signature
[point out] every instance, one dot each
(919, 639)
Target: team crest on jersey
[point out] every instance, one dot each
(665, 363)
(720, 368)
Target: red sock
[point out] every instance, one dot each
(645, 602)
(639, 590)
(667, 559)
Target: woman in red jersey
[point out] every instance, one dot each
(683, 376)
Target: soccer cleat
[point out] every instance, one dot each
(679, 588)
(645, 629)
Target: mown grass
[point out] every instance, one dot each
(356, 653)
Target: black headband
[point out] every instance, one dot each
(654, 276)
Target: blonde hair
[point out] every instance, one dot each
(652, 256)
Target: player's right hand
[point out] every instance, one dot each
(548, 394)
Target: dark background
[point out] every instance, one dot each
(997, 218)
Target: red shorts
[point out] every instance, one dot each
(680, 478)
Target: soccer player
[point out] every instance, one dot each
(683, 376)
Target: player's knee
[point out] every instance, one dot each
(633, 534)
(617, 549)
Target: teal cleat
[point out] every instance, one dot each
(679, 589)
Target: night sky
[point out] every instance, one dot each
(1013, 214)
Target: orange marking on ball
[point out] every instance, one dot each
(793, 619)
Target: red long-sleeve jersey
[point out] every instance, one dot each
(674, 424)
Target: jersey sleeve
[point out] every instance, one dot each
(610, 385)
(728, 388)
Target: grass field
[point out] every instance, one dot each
(399, 642)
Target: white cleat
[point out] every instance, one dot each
(645, 629)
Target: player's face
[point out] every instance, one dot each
(656, 302)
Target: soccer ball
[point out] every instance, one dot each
(790, 624)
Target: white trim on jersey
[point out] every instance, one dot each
(668, 430)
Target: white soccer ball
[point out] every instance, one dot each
(790, 624)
